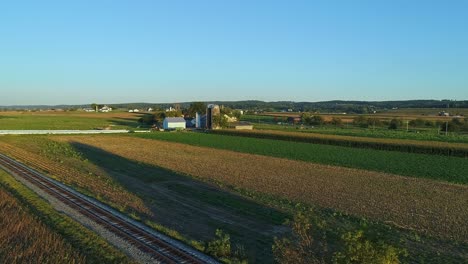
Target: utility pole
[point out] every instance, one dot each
(446, 128)
(407, 124)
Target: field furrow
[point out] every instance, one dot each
(93, 182)
(427, 206)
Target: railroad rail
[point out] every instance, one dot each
(160, 247)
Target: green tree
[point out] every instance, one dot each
(417, 122)
(158, 118)
(221, 246)
(361, 121)
(196, 107)
(360, 250)
(317, 120)
(336, 121)
(395, 123)
(306, 118)
(237, 114)
(455, 125)
(220, 121)
(176, 113)
(299, 247)
(147, 119)
(314, 120)
(225, 111)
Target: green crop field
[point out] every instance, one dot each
(65, 120)
(450, 169)
(420, 134)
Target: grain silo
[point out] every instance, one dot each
(211, 111)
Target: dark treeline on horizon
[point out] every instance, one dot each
(325, 106)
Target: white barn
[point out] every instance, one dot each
(174, 123)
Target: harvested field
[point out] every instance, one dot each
(172, 203)
(436, 167)
(422, 205)
(19, 233)
(91, 179)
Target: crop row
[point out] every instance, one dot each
(427, 206)
(19, 231)
(411, 146)
(443, 168)
(62, 240)
(91, 180)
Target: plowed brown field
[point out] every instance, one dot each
(427, 206)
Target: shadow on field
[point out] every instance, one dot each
(192, 207)
(128, 122)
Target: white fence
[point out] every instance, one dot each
(59, 132)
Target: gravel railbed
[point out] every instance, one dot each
(113, 239)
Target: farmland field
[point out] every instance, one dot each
(25, 217)
(451, 169)
(154, 195)
(403, 145)
(19, 229)
(188, 192)
(67, 120)
(278, 121)
(424, 111)
(404, 113)
(423, 135)
(361, 188)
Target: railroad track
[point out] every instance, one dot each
(161, 248)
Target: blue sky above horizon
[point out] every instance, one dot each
(76, 52)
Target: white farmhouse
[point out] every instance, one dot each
(174, 123)
(105, 109)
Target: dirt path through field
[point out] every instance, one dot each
(424, 205)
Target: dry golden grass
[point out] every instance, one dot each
(427, 206)
(24, 239)
(90, 178)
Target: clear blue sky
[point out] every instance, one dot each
(73, 52)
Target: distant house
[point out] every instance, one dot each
(88, 110)
(105, 109)
(294, 120)
(230, 119)
(133, 111)
(171, 123)
(241, 125)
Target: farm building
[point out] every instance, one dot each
(174, 123)
(241, 125)
(294, 120)
(105, 109)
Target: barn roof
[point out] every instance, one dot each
(175, 119)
